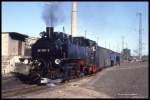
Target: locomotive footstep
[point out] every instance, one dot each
(51, 85)
(55, 81)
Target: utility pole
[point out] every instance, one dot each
(105, 44)
(122, 43)
(97, 40)
(109, 44)
(85, 33)
(140, 35)
(117, 47)
(126, 44)
(63, 29)
(122, 48)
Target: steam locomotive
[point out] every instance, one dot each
(57, 55)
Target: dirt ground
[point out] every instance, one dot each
(114, 82)
(69, 90)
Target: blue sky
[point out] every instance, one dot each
(107, 20)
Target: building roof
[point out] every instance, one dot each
(16, 36)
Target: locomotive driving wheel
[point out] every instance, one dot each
(71, 71)
(34, 77)
(77, 70)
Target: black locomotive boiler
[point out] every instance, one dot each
(57, 55)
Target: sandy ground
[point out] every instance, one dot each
(68, 90)
(125, 81)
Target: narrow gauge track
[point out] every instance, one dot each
(23, 89)
(13, 86)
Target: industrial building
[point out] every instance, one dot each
(126, 53)
(13, 46)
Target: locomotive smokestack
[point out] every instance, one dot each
(49, 31)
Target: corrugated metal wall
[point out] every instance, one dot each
(103, 57)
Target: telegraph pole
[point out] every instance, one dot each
(117, 47)
(122, 48)
(63, 29)
(97, 40)
(85, 33)
(105, 44)
(122, 43)
(140, 35)
(109, 44)
(126, 44)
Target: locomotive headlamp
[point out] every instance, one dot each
(26, 61)
(57, 61)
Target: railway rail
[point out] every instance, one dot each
(23, 88)
(20, 90)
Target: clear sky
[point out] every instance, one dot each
(108, 21)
